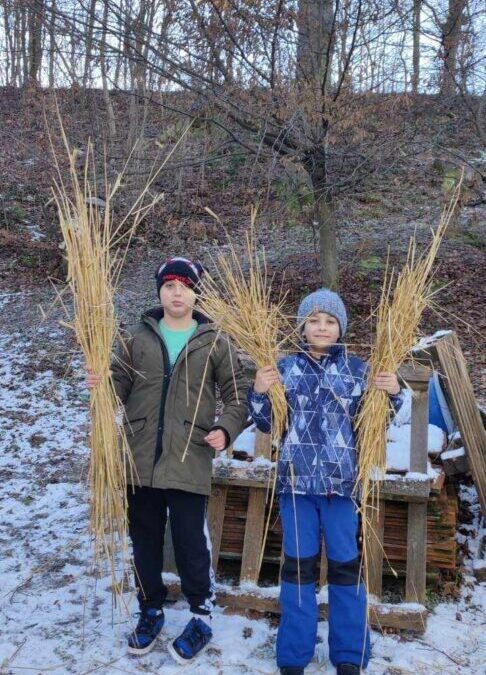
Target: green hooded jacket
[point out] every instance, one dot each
(168, 413)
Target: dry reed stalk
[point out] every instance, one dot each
(92, 267)
(96, 249)
(397, 322)
(240, 305)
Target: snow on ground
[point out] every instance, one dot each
(55, 610)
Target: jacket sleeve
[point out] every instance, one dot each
(122, 368)
(233, 386)
(260, 410)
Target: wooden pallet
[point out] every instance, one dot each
(244, 536)
(446, 354)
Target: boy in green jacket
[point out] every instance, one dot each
(165, 374)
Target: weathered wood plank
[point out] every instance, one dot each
(374, 548)
(416, 553)
(382, 615)
(253, 541)
(169, 555)
(216, 508)
(323, 565)
(447, 351)
(394, 487)
(420, 425)
(263, 444)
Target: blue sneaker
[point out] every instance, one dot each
(192, 641)
(142, 639)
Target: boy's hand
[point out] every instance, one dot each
(264, 379)
(216, 439)
(93, 379)
(387, 382)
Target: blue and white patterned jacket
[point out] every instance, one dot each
(320, 441)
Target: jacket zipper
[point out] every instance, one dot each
(165, 388)
(163, 397)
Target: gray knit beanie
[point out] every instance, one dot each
(323, 300)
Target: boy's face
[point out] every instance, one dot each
(177, 299)
(321, 330)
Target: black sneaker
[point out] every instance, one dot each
(291, 670)
(348, 669)
(192, 641)
(143, 638)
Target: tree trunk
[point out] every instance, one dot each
(417, 7)
(35, 21)
(52, 44)
(315, 24)
(324, 219)
(89, 42)
(106, 93)
(451, 35)
(316, 37)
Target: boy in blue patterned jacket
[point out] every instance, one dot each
(317, 472)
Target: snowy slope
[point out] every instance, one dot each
(55, 610)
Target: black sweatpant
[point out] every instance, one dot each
(147, 518)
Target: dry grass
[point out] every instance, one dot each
(239, 304)
(404, 297)
(88, 234)
(95, 249)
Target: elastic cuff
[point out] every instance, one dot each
(255, 395)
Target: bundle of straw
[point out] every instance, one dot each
(397, 324)
(96, 250)
(240, 305)
(88, 237)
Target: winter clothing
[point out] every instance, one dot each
(171, 410)
(320, 443)
(336, 520)
(147, 517)
(317, 472)
(323, 300)
(143, 638)
(180, 269)
(192, 641)
(291, 671)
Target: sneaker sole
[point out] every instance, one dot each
(140, 652)
(180, 660)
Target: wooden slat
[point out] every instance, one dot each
(420, 425)
(394, 487)
(169, 556)
(416, 553)
(323, 565)
(381, 615)
(252, 545)
(263, 444)
(216, 509)
(447, 351)
(375, 551)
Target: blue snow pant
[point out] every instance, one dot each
(335, 519)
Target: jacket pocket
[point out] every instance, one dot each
(132, 427)
(198, 433)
